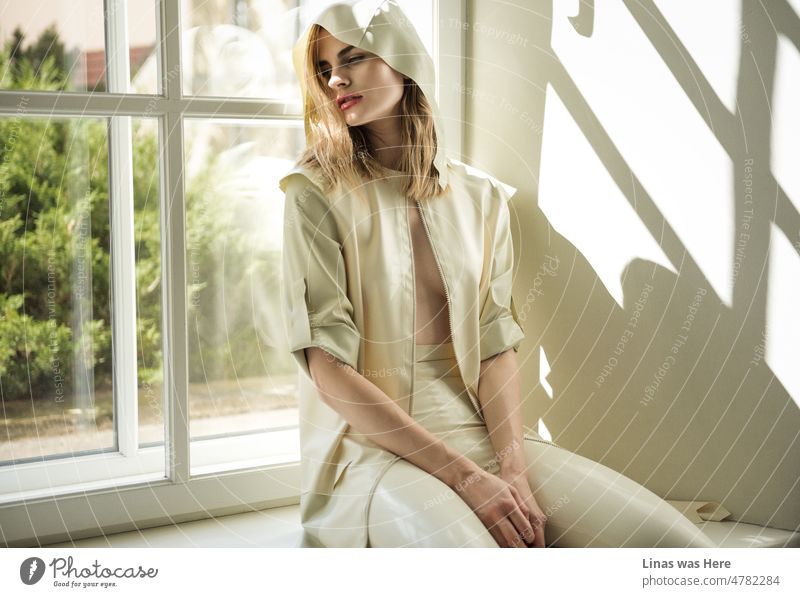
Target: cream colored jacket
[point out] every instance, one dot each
(348, 286)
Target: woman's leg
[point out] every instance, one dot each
(588, 504)
(412, 508)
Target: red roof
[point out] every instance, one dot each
(95, 65)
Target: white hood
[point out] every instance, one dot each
(382, 28)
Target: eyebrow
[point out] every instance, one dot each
(341, 53)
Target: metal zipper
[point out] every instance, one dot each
(541, 441)
(474, 401)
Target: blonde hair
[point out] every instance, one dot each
(341, 153)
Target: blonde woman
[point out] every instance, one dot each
(397, 294)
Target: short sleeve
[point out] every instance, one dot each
(317, 310)
(500, 327)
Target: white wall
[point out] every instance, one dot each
(655, 148)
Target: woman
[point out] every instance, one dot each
(397, 290)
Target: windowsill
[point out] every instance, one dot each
(112, 470)
(87, 514)
(274, 527)
(280, 527)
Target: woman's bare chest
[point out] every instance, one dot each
(432, 310)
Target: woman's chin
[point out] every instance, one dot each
(353, 119)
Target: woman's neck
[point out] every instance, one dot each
(384, 137)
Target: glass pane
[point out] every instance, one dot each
(55, 290)
(55, 341)
(142, 52)
(147, 244)
(241, 376)
(243, 48)
(57, 45)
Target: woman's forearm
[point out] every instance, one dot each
(499, 396)
(370, 411)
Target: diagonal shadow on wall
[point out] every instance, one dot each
(717, 424)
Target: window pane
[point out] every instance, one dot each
(241, 376)
(55, 345)
(147, 245)
(55, 294)
(142, 53)
(243, 48)
(57, 45)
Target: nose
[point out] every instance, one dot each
(336, 80)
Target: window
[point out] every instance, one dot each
(143, 375)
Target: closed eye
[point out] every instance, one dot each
(325, 71)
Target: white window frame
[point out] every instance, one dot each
(33, 516)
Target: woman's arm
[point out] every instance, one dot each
(499, 396)
(501, 335)
(371, 412)
(497, 503)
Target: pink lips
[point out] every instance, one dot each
(350, 102)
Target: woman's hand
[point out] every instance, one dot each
(500, 507)
(537, 518)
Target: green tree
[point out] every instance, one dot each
(53, 182)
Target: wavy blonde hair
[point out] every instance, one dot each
(341, 154)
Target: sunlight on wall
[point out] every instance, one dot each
(785, 138)
(711, 31)
(544, 431)
(587, 207)
(783, 324)
(661, 138)
(544, 369)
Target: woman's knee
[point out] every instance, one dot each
(412, 508)
(589, 504)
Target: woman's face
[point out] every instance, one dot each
(348, 70)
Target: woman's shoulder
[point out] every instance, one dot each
(479, 182)
(302, 174)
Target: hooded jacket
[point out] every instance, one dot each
(348, 284)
